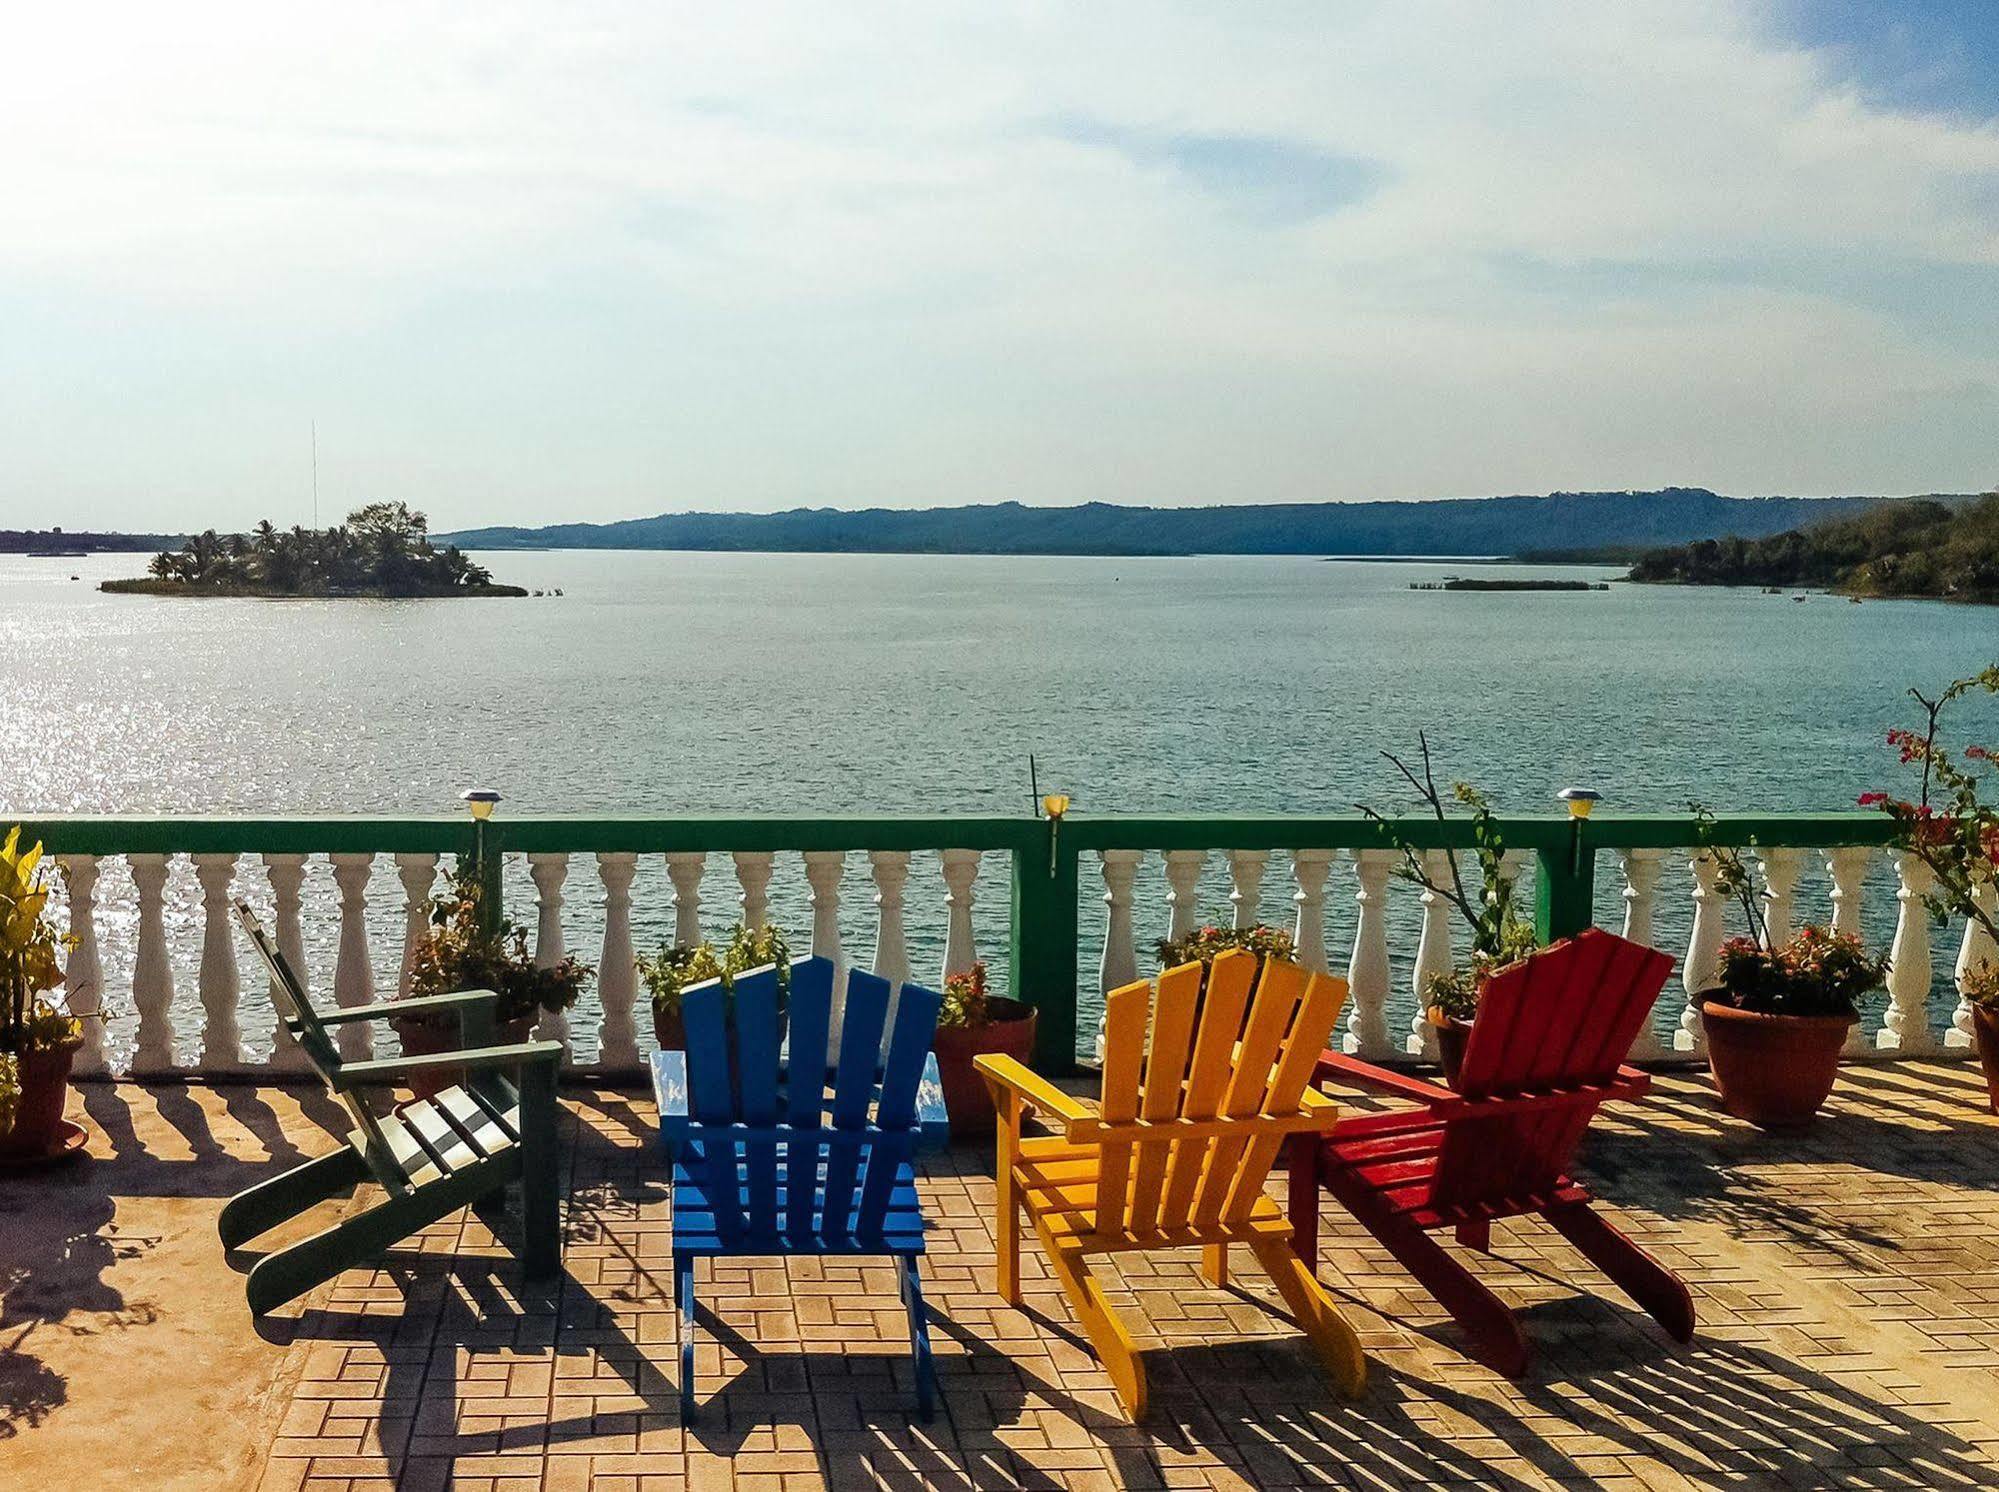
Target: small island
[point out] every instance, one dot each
(1914, 548)
(383, 551)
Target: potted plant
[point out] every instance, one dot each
(1955, 833)
(1500, 937)
(1778, 1019)
(972, 1021)
(462, 951)
(677, 967)
(38, 1037)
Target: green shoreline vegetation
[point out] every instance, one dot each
(383, 551)
(1914, 549)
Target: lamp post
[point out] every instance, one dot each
(480, 802)
(1054, 805)
(1564, 886)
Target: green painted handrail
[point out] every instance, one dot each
(1045, 869)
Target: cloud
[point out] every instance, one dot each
(611, 258)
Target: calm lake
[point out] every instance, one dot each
(664, 682)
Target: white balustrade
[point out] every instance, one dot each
(1780, 867)
(1119, 964)
(1183, 883)
(890, 869)
(1434, 957)
(823, 870)
(753, 871)
(684, 868)
(548, 870)
(1847, 866)
(152, 972)
(83, 974)
(418, 874)
(353, 975)
(1976, 951)
(1309, 869)
(960, 870)
(1246, 869)
(1702, 970)
(1906, 1028)
(221, 990)
(286, 873)
(617, 977)
(1641, 885)
(1367, 967)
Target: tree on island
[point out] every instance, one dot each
(383, 549)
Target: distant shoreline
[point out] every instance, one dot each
(147, 586)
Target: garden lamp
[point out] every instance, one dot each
(480, 801)
(1054, 805)
(1580, 800)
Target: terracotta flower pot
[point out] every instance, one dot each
(1985, 1031)
(669, 1028)
(1453, 1035)
(1773, 1070)
(428, 1038)
(44, 1080)
(969, 1102)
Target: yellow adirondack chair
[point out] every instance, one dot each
(1175, 1153)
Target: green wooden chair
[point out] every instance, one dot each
(430, 1157)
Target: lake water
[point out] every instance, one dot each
(664, 682)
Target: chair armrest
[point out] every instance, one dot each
(1338, 1065)
(933, 1122)
(387, 1069)
(1010, 1075)
(387, 1010)
(1632, 1082)
(669, 1091)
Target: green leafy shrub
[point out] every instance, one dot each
(677, 967)
(461, 952)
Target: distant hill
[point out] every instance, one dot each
(55, 541)
(1569, 521)
(1922, 547)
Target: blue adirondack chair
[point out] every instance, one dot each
(810, 1155)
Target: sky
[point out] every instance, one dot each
(530, 263)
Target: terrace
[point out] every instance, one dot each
(1848, 1329)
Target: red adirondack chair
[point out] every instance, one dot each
(1546, 1050)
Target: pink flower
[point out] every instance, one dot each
(1872, 800)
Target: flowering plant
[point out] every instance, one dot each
(29, 969)
(462, 952)
(677, 967)
(1499, 934)
(1203, 943)
(1817, 973)
(966, 1004)
(1948, 826)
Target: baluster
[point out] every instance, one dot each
(83, 983)
(891, 874)
(1975, 952)
(286, 873)
(823, 870)
(1702, 969)
(1246, 869)
(753, 870)
(1309, 868)
(1433, 954)
(1780, 868)
(1847, 866)
(685, 868)
(1183, 883)
(960, 868)
(1119, 964)
(221, 989)
(1907, 1027)
(548, 869)
(1641, 883)
(1367, 966)
(353, 977)
(418, 874)
(152, 972)
(617, 978)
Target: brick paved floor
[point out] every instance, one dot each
(1845, 1282)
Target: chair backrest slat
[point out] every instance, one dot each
(1208, 1074)
(294, 1007)
(805, 1092)
(1164, 1086)
(1563, 1018)
(1125, 1019)
(809, 1044)
(754, 1012)
(853, 1097)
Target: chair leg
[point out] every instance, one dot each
(1496, 1337)
(541, 1211)
(1656, 1288)
(289, 1272)
(1303, 1163)
(1114, 1346)
(919, 1338)
(1476, 1235)
(683, 1296)
(1215, 1264)
(1336, 1341)
(282, 1198)
(1007, 1223)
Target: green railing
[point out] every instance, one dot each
(1047, 944)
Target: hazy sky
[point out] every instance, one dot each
(581, 260)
